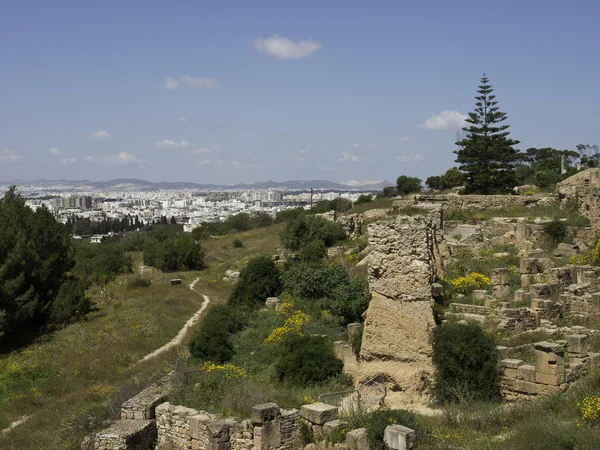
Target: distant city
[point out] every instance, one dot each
(189, 204)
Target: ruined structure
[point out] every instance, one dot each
(583, 188)
(403, 262)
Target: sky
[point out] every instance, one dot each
(237, 91)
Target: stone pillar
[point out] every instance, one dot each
(267, 431)
(499, 280)
(402, 266)
(549, 363)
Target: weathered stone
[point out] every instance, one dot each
(272, 302)
(526, 387)
(549, 347)
(528, 266)
(479, 294)
(499, 276)
(399, 437)
(501, 291)
(329, 427)
(526, 372)
(266, 412)
(319, 413)
(357, 439)
(543, 291)
(578, 345)
(511, 363)
(437, 290)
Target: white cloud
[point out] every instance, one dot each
(444, 120)
(302, 152)
(192, 82)
(409, 157)
(363, 147)
(284, 48)
(100, 135)
(9, 155)
(167, 143)
(182, 119)
(404, 139)
(227, 164)
(54, 151)
(348, 157)
(121, 159)
(171, 83)
(65, 161)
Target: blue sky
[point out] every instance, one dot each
(231, 91)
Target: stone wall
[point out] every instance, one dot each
(455, 201)
(583, 188)
(403, 262)
(550, 373)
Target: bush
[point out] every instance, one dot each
(71, 302)
(314, 281)
(313, 251)
(408, 185)
(306, 360)
(357, 341)
(363, 198)
(237, 243)
(466, 362)
(171, 252)
(212, 341)
(138, 282)
(348, 300)
(377, 421)
(99, 263)
(259, 280)
(556, 231)
(309, 228)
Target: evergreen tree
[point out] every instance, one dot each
(486, 155)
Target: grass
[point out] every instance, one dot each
(377, 203)
(72, 380)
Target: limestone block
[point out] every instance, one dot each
(593, 359)
(526, 387)
(578, 344)
(266, 412)
(197, 424)
(319, 413)
(528, 266)
(267, 436)
(548, 363)
(511, 313)
(352, 329)
(548, 378)
(398, 437)
(596, 302)
(519, 295)
(479, 294)
(508, 382)
(526, 372)
(544, 264)
(499, 276)
(543, 291)
(357, 439)
(501, 291)
(272, 302)
(328, 427)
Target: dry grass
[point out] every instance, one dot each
(70, 381)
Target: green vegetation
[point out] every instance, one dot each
(259, 280)
(486, 155)
(171, 252)
(306, 360)
(363, 198)
(408, 185)
(35, 260)
(466, 363)
(338, 204)
(212, 342)
(237, 243)
(556, 231)
(308, 228)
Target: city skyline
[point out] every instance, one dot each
(237, 92)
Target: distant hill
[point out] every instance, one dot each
(133, 184)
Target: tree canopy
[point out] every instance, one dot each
(486, 156)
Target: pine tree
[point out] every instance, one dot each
(486, 155)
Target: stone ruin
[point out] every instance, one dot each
(147, 420)
(402, 264)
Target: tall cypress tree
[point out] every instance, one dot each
(486, 155)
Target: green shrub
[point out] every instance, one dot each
(466, 362)
(259, 280)
(357, 341)
(314, 281)
(363, 198)
(138, 282)
(71, 302)
(309, 228)
(555, 230)
(171, 252)
(348, 300)
(306, 360)
(237, 243)
(377, 421)
(313, 251)
(408, 185)
(212, 341)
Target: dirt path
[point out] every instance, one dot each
(190, 323)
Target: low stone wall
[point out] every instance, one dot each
(454, 201)
(550, 373)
